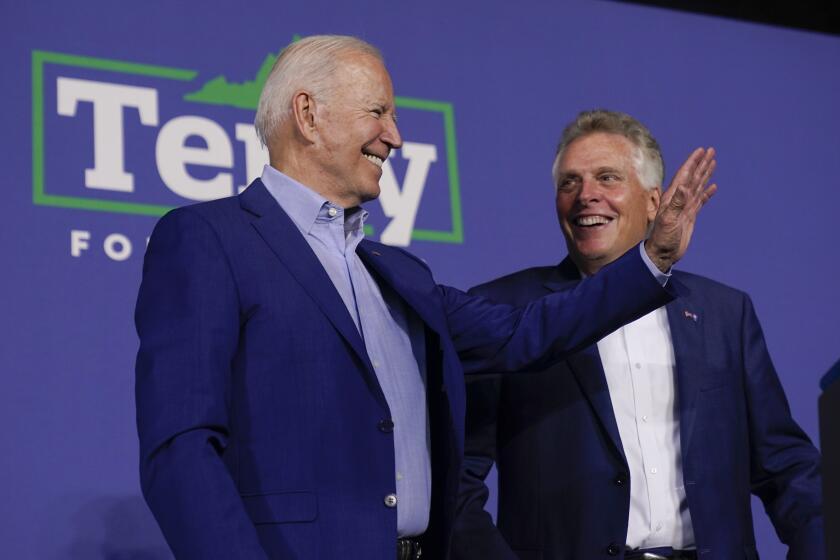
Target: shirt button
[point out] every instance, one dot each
(391, 500)
(654, 470)
(658, 527)
(332, 212)
(386, 426)
(644, 418)
(638, 365)
(613, 549)
(376, 363)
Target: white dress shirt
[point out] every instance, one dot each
(639, 364)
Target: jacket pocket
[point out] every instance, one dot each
(284, 507)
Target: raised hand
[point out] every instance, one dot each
(678, 210)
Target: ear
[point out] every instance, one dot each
(654, 197)
(304, 113)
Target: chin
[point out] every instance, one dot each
(593, 251)
(370, 194)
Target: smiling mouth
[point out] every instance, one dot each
(374, 159)
(591, 221)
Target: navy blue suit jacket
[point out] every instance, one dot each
(259, 414)
(564, 491)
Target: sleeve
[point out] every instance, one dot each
(785, 466)
(502, 338)
(188, 320)
(475, 536)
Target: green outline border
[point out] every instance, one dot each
(457, 233)
(39, 197)
(39, 58)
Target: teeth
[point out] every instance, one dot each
(592, 220)
(377, 161)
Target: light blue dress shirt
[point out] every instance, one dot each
(394, 336)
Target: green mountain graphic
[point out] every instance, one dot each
(245, 95)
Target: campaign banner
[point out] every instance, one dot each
(115, 113)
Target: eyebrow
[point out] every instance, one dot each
(607, 169)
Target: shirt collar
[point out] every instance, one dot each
(306, 207)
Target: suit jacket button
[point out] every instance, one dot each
(391, 500)
(386, 426)
(613, 549)
(620, 479)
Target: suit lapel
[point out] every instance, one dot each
(285, 240)
(589, 372)
(686, 323)
(378, 258)
(586, 365)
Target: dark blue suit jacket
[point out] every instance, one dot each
(259, 414)
(564, 491)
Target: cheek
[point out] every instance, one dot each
(563, 205)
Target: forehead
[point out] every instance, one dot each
(598, 149)
(362, 77)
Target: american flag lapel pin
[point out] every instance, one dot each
(689, 315)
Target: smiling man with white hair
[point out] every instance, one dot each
(648, 444)
(300, 389)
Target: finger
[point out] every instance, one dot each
(710, 171)
(685, 190)
(687, 169)
(703, 198)
(679, 198)
(703, 168)
(707, 174)
(699, 189)
(710, 192)
(700, 180)
(666, 199)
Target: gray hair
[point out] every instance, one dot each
(648, 157)
(308, 64)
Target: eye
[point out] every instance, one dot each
(378, 112)
(567, 184)
(609, 178)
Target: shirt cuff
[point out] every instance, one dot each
(661, 277)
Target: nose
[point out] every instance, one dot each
(590, 191)
(391, 135)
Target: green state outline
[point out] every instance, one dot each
(41, 198)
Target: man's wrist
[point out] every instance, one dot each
(661, 270)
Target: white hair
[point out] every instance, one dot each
(308, 64)
(647, 157)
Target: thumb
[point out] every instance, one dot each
(677, 200)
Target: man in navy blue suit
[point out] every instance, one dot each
(299, 389)
(649, 443)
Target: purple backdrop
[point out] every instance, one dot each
(486, 89)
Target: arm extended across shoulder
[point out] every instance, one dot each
(491, 337)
